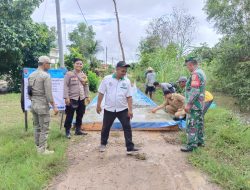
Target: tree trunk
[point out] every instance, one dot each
(118, 30)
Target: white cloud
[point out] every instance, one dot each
(134, 17)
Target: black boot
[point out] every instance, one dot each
(187, 149)
(79, 132)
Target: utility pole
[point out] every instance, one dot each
(59, 33)
(65, 34)
(119, 30)
(106, 56)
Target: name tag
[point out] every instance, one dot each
(74, 79)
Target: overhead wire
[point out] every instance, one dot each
(82, 12)
(44, 10)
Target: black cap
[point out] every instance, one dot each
(169, 91)
(192, 60)
(122, 64)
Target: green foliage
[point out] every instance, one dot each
(69, 59)
(166, 63)
(93, 81)
(93, 78)
(227, 64)
(21, 40)
(83, 39)
(20, 166)
(230, 17)
(226, 156)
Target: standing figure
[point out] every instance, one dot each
(118, 104)
(194, 103)
(40, 94)
(150, 79)
(76, 94)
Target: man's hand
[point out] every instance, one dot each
(87, 101)
(98, 109)
(130, 114)
(153, 110)
(187, 108)
(55, 109)
(67, 101)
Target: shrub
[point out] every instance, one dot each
(93, 81)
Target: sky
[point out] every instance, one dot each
(135, 15)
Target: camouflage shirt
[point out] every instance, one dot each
(195, 89)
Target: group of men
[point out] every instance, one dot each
(116, 88)
(187, 100)
(118, 102)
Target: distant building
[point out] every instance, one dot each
(54, 56)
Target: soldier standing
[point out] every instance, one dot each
(76, 94)
(40, 94)
(194, 102)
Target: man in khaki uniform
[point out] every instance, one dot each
(76, 94)
(40, 84)
(174, 104)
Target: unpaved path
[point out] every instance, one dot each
(160, 165)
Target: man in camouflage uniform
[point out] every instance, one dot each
(194, 102)
(40, 84)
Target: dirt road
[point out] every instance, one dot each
(159, 166)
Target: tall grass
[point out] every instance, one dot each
(226, 156)
(21, 168)
(166, 63)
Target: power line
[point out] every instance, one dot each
(44, 10)
(81, 12)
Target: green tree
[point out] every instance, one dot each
(232, 53)
(83, 38)
(21, 40)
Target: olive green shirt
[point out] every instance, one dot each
(41, 86)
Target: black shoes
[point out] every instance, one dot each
(187, 149)
(132, 151)
(201, 144)
(80, 133)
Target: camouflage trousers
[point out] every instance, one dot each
(41, 119)
(194, 129)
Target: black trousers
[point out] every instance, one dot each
(70, 110)
(108, 120)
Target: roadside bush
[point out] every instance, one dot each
(93, 81)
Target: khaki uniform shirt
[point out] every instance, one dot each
(177, 101)
(73, 88)
(41, 87)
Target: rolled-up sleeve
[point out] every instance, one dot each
(66, 86)
(48, 89)
(102, 88)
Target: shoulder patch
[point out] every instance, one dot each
(195, 83)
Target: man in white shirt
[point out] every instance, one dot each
(118, 104)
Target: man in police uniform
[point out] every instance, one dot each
(118, 104)
(40, 84)
(194, 103)
(76, 94)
